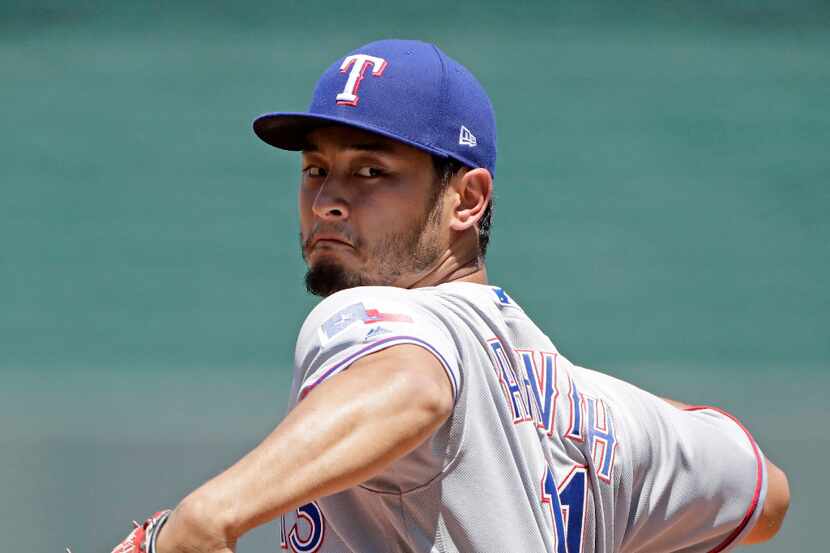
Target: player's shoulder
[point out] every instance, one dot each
(365, 304)
(375, 304)
(359, 295)
(481, 294)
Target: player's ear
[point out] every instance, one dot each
(473, 190)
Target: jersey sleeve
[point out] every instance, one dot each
(354, 323)
(697, 479)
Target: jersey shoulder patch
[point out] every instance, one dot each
(360, 321)
(357, 313)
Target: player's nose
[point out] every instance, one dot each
(330, 204)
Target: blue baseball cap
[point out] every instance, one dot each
(407, 90)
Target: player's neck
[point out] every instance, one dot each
(456, 265)
(475, 272)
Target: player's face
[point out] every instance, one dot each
(369, 213)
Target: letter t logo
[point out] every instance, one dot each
(358, 64)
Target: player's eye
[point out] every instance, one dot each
(314, 171)
(370, 172)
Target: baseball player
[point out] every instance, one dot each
(428, 412)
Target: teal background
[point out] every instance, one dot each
(661, 210)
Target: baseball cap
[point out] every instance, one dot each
(407, 90)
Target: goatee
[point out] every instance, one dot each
(326, 278)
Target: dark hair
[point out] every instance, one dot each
(445, 168)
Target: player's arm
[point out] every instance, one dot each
(347, 430)
(774, 509)
(776, 504)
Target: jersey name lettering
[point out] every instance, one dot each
(533, 395)
(601, 438)
(540, 378)
(514, 386)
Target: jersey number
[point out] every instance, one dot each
(307, 531)
(567, 508)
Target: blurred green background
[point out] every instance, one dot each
(662, 211)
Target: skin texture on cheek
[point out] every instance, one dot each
(384, 259)
(408, 252)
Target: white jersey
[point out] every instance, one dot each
(538, 455)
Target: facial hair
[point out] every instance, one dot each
(410, 251)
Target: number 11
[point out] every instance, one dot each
(567, 507)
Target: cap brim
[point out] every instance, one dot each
(289, 131)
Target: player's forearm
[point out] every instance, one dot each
(346, 431)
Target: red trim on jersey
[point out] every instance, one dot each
(759, 477)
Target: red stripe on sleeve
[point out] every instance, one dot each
(759, 476)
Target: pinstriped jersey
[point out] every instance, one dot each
(538, 455)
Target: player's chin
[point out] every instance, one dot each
(327, 276)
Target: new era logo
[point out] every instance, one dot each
(466, 138)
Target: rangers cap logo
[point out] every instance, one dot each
(358, 63)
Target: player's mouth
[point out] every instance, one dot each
(328, 241)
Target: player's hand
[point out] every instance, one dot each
(143, 537)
